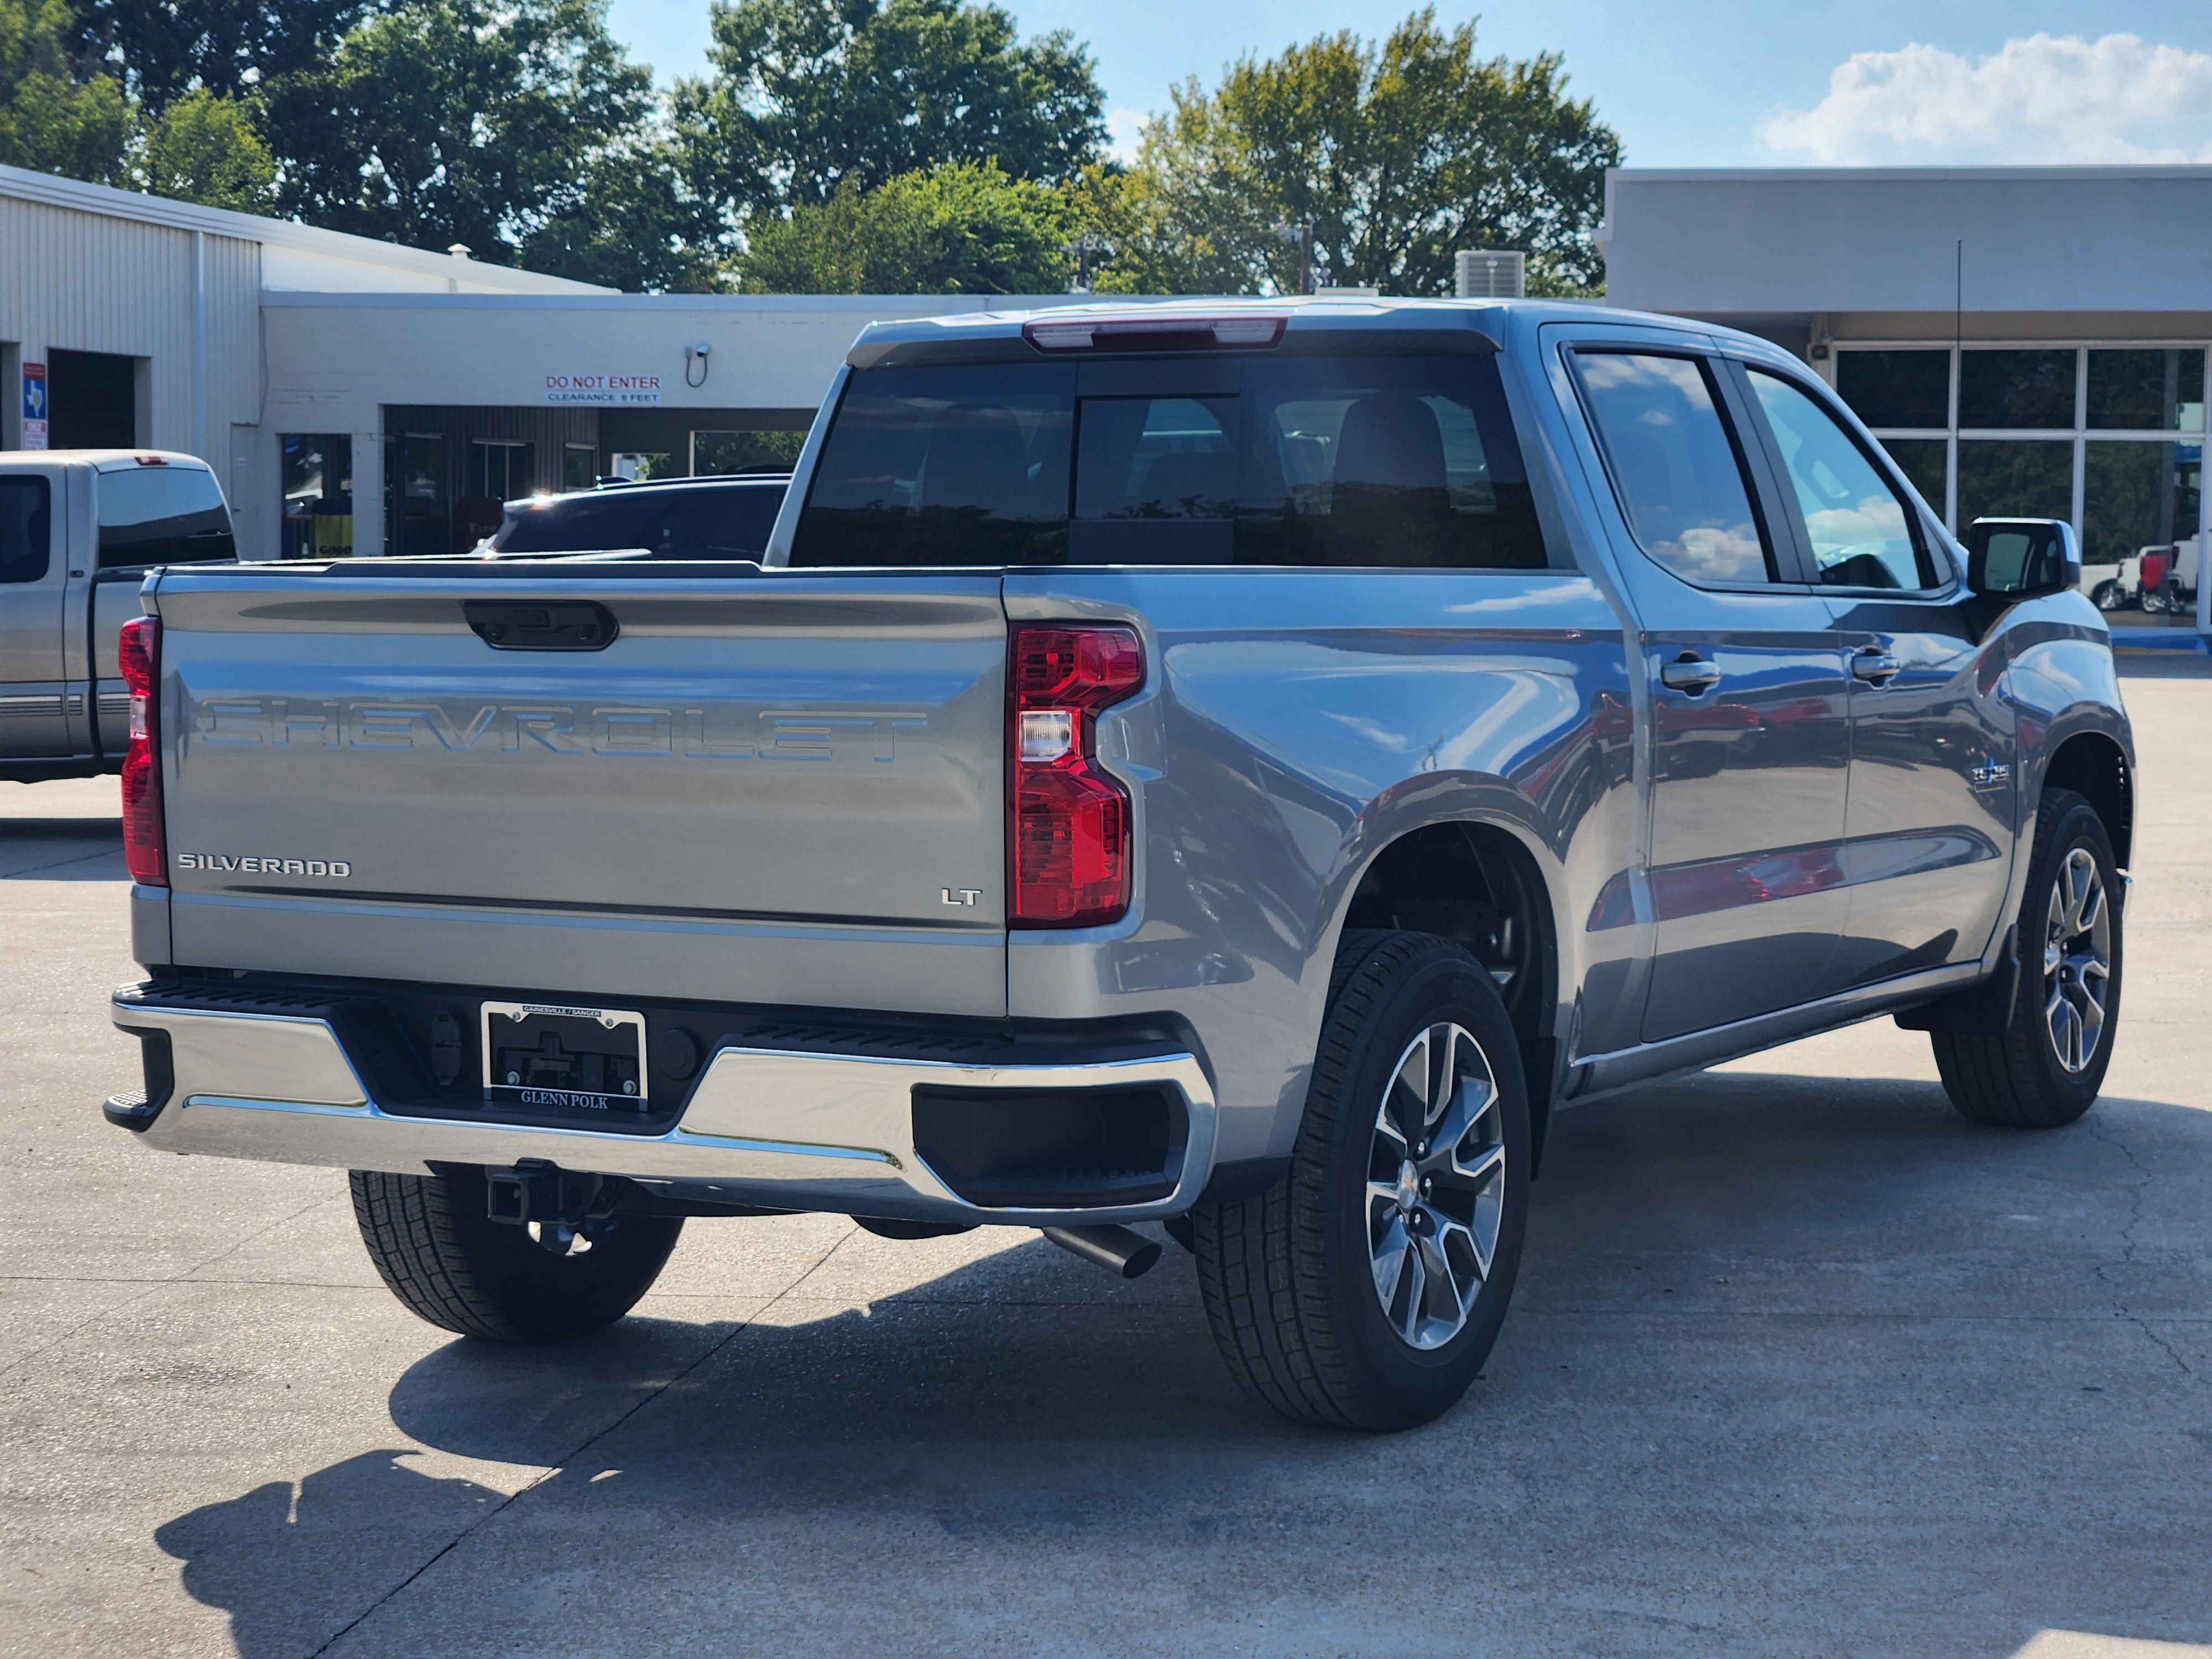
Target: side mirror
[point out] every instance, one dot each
(2019, 558)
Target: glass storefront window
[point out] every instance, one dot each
(1897, 388)
(2136, 495)
(1923, 461)
(2018, 390)
(2147, 391)
(580, 466)
(2014, 478)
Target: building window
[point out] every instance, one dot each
(2015, 391)
(580, 466)
(2135, 390)
(414, 512)
(744, 452)
(1897, 388)
(317, 496)
(501, 468)
(2109, 438)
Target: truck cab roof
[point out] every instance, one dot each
(1303, 325)
(104, 460)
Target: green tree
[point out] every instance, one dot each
(806, 95)
(962, 227)
(58, 112)
(166, 49)
(458, 120)
(1397, 155)
(203, 148)
(630, 224)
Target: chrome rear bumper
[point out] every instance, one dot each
(780, 1128)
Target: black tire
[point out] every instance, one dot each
(2108, 596)
(2018, 1081)
(449, 1263)
(1289, 1275)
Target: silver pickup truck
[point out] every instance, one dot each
(78, 530)
(1237, 766)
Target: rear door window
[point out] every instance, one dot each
(1675, 466)
(162, 515)
(1383, 461)
(26, 529)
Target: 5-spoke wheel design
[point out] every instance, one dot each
(2077, 960)
(1436, 1185)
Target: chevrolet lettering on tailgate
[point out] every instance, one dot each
(708, 731)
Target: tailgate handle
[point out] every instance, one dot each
(553, 625)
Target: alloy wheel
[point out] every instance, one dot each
(2077, 960)
(1436, 1185)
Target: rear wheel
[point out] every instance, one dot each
(1365, 1288)
(2047, 1066)
(450, 1263)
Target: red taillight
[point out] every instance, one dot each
(143, 849)
(1067, 854)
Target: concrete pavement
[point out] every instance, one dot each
(1800, 1364)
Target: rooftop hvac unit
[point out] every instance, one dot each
(1482, 274)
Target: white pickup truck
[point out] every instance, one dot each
(78, 530)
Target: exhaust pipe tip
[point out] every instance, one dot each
(1124, 1254)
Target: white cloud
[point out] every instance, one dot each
(1124, 127)
(2047, 98)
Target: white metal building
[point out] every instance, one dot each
(356, 395)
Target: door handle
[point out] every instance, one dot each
(1693, 675)
(1875, 667)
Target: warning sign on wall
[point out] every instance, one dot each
(603, 388)
(34, 405)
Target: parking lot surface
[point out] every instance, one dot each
(1800, 1363)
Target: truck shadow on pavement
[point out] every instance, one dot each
(1794, 1364)
(61, 849)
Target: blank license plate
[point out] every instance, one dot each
(543, 1056)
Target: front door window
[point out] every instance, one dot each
(1857, 525)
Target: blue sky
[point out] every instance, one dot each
(1714, 83)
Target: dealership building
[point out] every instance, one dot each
(2025, 341)
(357, 396)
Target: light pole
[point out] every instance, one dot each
(1083, 248)
(1301, 238)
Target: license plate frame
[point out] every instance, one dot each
(587, 1069)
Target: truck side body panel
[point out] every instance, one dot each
(1295, 724)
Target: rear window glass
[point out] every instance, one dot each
(692, 521)
(1381, 461)
(1674, 467)
(162, 515)
(26, 529)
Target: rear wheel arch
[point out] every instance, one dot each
(1475, 882)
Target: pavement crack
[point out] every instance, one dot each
(61, 864)
(150, 1286)
(554, 1470)
(2098, 1131)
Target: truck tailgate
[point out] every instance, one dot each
(762, 790)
